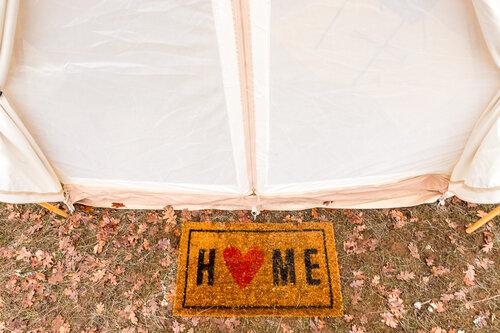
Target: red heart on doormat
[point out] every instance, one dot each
(243, 267)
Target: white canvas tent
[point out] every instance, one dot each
(249, 104)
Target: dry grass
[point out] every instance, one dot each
(113, 270)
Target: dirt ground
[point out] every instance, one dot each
(402, 270)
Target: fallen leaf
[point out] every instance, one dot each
(99, 308)
(413, 251)
(348, 318)
(405, 276)
(470, 274)
(484, 263)
(439, 270)
(388, 319)
(481, 213)
(437, 330)
(60, 325)
(353, 217)
(285, 328)
(142, 228)
(357, 329)
(357, 284)
(480, 320)
(399, 218)
(177, 327)
(98, 275)
(23, 254)
(488, 241)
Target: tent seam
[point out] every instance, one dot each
(243, 48)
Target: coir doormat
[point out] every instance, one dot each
(257, 269)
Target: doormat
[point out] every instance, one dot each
(257, 269)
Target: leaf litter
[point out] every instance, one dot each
(408, 269)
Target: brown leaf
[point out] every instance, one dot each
(285, 328)
(99, 247)
(470, 273)
(439, 270)
(23, 254)
(413, 251)
(142, 228)
(56, 277)
(71, 293)
(169, 215)
(356, 297)
(353, 217)
(388, 319)
(129, 313)
(437, 329)
(28, 298)
(177, 327)
(117, 205)
(405, 276)
(488, 241)
(164, 244)
(357, 329)
(99, 309)
(357, 284)
(484, 263)
(150, 308)
(480, 320)
(481, 213)
(399, 218)
(86, 209)
(440, 307)
(348, 318)
(59, 325)
(98, 275)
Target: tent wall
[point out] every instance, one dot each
(476, 177)
(255, 104)
(25, 174)
(139, 95)
(364, 93)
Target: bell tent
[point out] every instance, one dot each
(249, 104)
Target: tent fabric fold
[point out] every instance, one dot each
(249, 104)
(408, 192)
(476, 177)
(25, 175)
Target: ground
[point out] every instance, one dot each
(402, 270)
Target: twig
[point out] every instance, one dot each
(486, 299)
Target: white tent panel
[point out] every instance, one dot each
(282, 104)
(25, 175)
(359, 93)
(476, 176)
(132, 93)
(488, 15)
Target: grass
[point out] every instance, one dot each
(114, 270)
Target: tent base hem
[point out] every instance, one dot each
(27, 197)
(473, 194)
(407, 192)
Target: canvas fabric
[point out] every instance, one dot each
(249, 104)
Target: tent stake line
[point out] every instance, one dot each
(53, 209)
(483, 220)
